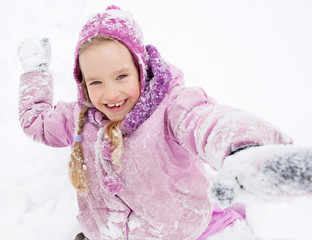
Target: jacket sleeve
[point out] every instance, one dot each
(210, 131)
(53, 126)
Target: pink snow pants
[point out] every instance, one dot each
(220, 219)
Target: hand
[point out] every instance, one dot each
(34, 56)
(267, 172)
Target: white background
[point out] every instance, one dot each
(253, 55)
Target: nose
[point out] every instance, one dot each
(111, 92)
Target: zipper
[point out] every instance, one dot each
(127, 227)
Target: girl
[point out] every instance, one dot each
(140, 138)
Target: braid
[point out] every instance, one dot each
(77, 166)
(114, 135)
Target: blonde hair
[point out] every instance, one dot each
(115, 136)
(77, 166)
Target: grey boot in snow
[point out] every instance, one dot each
(81, 236)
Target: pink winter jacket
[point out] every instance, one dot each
(165, 183)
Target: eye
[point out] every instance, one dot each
(95, 83)
(121, 76)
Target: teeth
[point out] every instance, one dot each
(116, 105)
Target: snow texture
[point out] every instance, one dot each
(260, 52)
(238, 231)
(275, 172)
(291, 173)
(34, 56)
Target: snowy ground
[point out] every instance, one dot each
(254, 55)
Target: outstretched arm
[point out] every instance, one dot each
(212, 132)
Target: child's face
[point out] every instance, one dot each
(111, 77)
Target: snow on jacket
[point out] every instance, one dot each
(165, 185)
(167, 137)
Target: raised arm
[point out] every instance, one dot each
(41, 121)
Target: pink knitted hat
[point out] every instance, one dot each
(118, 24)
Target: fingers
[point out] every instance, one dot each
(30, 48)
(290, 173)
(222, 194)
(44, 42)
(34, 56)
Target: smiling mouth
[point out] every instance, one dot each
(116, 107)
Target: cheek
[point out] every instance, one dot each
(135, 92)
(93, 95)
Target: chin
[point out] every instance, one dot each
(116, 119)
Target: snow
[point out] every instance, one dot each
(38, 61)
(240, 231)
(274, 173)
(251, 55)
